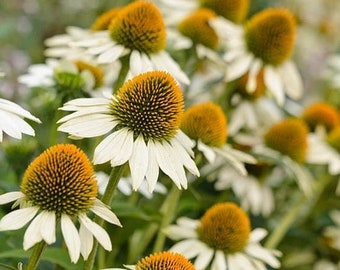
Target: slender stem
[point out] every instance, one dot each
(168, 210)
(36, 255)
(115, 175)
(295, 212)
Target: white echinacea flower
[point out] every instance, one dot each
(222, 239)
(143, 119)
(265, 43)
(59, 186)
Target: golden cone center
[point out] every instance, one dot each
(226, 227)
(60, 180)
(150, 104)
(164, 261)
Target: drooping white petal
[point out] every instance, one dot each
(203, 259)
(263, 254)
(257, 235)
(238, 67)
(10, 196)
(177, 232)
(116, 147)
(274, 84)
(98, 232)
(86, 239)
(208, 152)
(291, 79)
(71, 237)
(17, 218)
(103, 211)
(111, 54)
(219, 261)
(138, 162)
(33, 235)
(168, 162)
(153, 167)
(48, 226)
(254, 70)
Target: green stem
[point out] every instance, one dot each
(36, 255)
(295, 212)
(123, 72)
(168, 210)
(115, 175)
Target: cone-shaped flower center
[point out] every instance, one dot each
(270, 35)
(232, 10)
(321, 114)
(164, 261)
(334, 138)
(196, 27)
(207, 122)
(225, 226)
(241, 86)
(96, 71)
(289, 137)
(103, 21)
(150, 104)
(61, 180)
(139, 26)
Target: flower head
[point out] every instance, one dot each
(136, 33)
(321, 114)
(144, 117)
(270, 35)
(232, 10)
(289, 137)
(104, 20)
(205, 122)
(196, 27)
(165, 260)
(222, 239)
(226, 227)
(139, 26)
(12, 120)
(263, 44)
(61, 186)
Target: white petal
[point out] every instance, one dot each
(208, 152)
(263, 254)
(17, 218)
(238, 67)
(219, 262)
(153, 167)
(138, 162)
(98, 232)
(274, 83)
(204, 258)
(291, 79)
(111, 55)
(86, 238)
(117, 147)
(103, 211)
(48, 226)
(257, 235)
(10, 196)
(33, 235)
(71, 237)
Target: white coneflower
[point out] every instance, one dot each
(143, 119)
(59, 186)
(222, 239)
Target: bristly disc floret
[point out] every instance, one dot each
(60, 180)
(226, 227)
(270, 35)
(289, 137)
(196, 27)
(164, 261)
(139, 26)
(205, 122)
(233, 10)
(150, 104)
